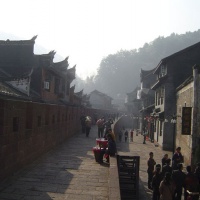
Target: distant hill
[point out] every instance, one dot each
(120, 73)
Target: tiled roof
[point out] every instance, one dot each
(18, 42)
(174, 55)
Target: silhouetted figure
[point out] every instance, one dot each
(164, 159)
(167, 167)
(125, 135)
(82, 119)
(179, 179)
(191, 183)
(177, 158)
(150, 163)
(157, 178)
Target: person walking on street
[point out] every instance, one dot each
(126, 135)
(88, 124)
(150, 163)
(100, 125)
(120, 135)
(131, 133)
(145, 135)
(82, 119)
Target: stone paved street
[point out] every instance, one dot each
(70, 172)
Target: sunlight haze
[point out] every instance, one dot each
(89, 30)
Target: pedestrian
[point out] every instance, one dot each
(95, 118)
(120, 135)
(131, 133)
(88, 124)
(156, 180)
(177, 158)
(107, 126)
(125, 135)
(164, 159)
(167, 188)
(82, 119)
(178, 176)
(150, 163)
(110, 132)
(100, 125)
(167, 167)
(110, 151)
(136, 132)
(145, 135)
(191, 183)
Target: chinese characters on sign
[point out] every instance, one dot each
(186, 120)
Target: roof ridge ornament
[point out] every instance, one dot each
(52, 53)
(34, 38)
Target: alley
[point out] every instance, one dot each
(70, 172)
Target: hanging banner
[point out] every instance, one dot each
(186, 120)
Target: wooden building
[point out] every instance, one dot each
(171, 72)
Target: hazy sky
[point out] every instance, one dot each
(88, 30)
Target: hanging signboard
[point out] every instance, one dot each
(186, 120)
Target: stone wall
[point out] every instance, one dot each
(27, 130)
(184, 98)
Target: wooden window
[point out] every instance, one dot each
(47, 85)
(163, 71)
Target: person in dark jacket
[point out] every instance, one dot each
(178, 176)
(82, 119)
(125, 135)
(150, 163)
(157, 178)
(177, 158)
(191, 183)
(167, 167)
(164, 159)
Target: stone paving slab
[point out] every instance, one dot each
(67, 172)
(70, 172)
